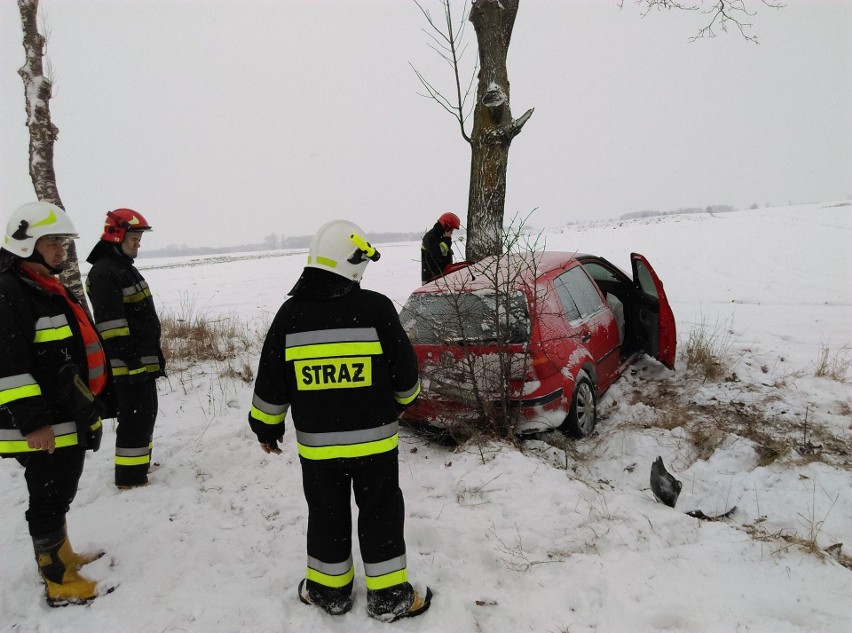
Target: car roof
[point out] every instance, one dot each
(524, 267)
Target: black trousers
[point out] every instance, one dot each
(137, 414)
(52, 484)
(328, 487)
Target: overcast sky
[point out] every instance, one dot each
(225, 121)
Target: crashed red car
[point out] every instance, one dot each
(544, 332)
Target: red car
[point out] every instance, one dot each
(535, 336)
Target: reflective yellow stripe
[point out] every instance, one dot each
(52, 334)
(387, 580)
(65, 434)
(349, 450)
(18, 393)
(332, 350)
(325, 261)
(405, 398)
(267, 418)
(137, 297)
(132, 461)
(120, 331)
(138, 370)
(331, 581)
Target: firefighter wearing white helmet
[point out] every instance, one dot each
(337, 358)
(52, 372)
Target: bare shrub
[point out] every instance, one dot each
(833, 365)
(479, 387)
(707, 349)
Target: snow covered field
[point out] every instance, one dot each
(538, 538)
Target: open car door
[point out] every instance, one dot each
(655, 315)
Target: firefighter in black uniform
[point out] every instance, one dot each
(128, 323)
(337, 357)
(436, 249)
(53, 365)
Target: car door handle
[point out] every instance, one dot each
(585, 337)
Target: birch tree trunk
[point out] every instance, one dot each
(43, 134)
(493, 128)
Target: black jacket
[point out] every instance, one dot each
(39, 336)
(124, 312)
(337, 357)
(436, 253)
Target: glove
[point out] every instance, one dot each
(272, 446)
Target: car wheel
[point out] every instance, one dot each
(582, 415)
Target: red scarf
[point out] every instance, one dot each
(96, 358)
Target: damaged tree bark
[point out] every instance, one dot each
(43, 134)
(493, 128)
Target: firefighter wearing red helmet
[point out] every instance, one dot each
(127, 320)
(436, 249)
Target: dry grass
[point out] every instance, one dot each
(833, 365)
(707, 349)
(190, 336)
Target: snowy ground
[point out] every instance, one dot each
(551, 537)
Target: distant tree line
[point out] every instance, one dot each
(273, 241)
(713, 208)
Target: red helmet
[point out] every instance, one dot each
(121, 221)
(449, 220)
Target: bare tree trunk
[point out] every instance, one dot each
(493, 128)
(43, 134)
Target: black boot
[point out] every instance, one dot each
(399, 601)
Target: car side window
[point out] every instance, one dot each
(578, 294)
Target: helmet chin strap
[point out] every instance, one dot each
(38, 258)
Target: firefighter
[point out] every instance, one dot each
(128, 323)
(436, 249)
(53, 368)
(338, 359)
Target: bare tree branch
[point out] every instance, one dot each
(721, 13)
(446, 39)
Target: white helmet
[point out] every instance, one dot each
(339, 247)
(32, 221)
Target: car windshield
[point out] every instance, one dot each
(466, 318)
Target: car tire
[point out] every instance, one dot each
(582, 416)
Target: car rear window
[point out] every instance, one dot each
(471, 318)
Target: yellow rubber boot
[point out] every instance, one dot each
(63, 584)
(78, 559)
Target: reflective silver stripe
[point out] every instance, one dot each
(96, 372)
(112, 325)
(150, 360)
(49, 323)
(132, 290)
(93, 348)
(347, 437)
(63, 428)
(19, 380)
(404, 395)
(332, 569)
(265, 407)
(115, 362)
(385, 567)
(341, 335)
(132, 452)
